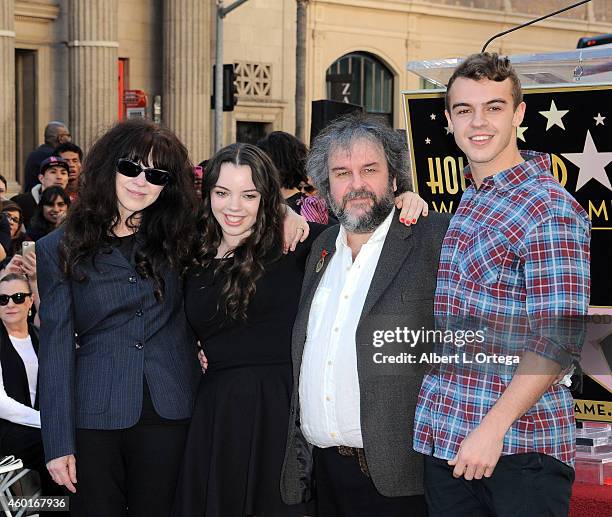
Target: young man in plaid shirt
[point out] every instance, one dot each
(516, 255)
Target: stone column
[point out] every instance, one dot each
(187, 73)
(7, 90)
(94, 47)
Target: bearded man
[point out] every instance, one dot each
(353, 404)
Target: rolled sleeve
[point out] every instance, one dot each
(557, 277)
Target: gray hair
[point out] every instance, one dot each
(51, 130)
(342, 132)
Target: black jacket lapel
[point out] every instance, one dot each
(396, 249)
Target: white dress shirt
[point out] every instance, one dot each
(329, 384)
(10, 409)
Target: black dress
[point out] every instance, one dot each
(238, 430)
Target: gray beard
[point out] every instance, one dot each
(369, 221)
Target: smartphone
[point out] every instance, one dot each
(27, 247)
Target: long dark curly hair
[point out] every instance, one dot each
(262, 246)
(166, 228)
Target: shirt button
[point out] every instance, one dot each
(132, 280)
(139, 345)
(328, 398)
(329, 363)
(336, 329)
(333, 435)
(139, 313)
(346, 296)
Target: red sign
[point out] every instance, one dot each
(135, 99)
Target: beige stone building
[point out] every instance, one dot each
(72, 60)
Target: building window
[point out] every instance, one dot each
(251, 132)
(253, 79)
(26, 74)
(362, 79)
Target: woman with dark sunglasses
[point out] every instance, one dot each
(116, 400)
(19, 415)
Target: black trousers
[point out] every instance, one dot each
(128, 472)
(342, 490)
(25, 443)
(529, 485)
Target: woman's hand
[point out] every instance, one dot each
(295, 229)
(411, 207)
(203, 360)
(28, 266)
(15, 265)
(63, 471)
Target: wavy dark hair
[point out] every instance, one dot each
(166, 228)
(262, 246)
(288, 155)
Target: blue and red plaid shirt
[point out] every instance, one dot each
(517, 248)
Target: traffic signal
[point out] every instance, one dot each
(230, 89)
(592, 41)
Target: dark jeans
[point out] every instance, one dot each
(25, 443)
(529, 485)
(128, 472)
(342, 490)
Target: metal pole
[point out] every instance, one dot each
(300, 70)
(219, 77)
(221, 13)
(233, 6)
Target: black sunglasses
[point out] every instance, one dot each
(132, 169)
(18, 298)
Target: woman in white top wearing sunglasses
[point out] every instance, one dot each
(118, 364)
(19, 415)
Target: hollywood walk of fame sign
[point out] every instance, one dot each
(571, 123)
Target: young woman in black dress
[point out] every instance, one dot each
(241, 300)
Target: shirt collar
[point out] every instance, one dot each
(535, 163)
(380, 234)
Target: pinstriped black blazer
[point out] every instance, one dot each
(124, 335)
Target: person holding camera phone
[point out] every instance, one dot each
(11, 211)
